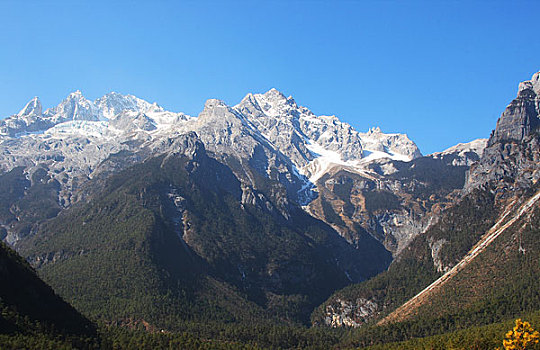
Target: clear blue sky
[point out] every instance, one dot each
(442, 72)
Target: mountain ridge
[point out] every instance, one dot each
(506, 173)
(281, 140)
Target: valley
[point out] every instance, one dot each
(260, 225)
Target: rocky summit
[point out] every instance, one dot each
(522, 115)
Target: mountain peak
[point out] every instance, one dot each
(272, 103)
(77, 94)
(213, 103)
(477, 146)
(463, 153)
(398, 146)
(535, 80)
(113, 103)
(33, 107)
(75, 97)
(274, 93)
(532, 85)
(521, 116)
(215, 111)
(118, 96)
(74, 107)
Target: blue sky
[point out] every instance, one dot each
(442, 72)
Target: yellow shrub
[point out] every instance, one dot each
(521, 337)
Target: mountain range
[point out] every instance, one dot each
(265, 212)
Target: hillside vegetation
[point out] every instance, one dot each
(168, 241)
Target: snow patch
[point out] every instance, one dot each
(326, 159)
(80, 127)
(476, 146)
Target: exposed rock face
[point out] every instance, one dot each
(435, 247)
(27, 120)
(129, 122)
(265, 135)
(344, 313)
(507, 166)
(521, 117)
(502, 172)
(363, 184)
(276, 117)
(114, 103)
(74, 107)
(245, 233)
(463, 154)
(510, 161)
(335, 157)
(303, 137)
(392, 201)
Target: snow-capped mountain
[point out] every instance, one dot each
(266, 135)
(289, 127)
(75, 107)
(32, 108)
(294, 141)
(316, 143)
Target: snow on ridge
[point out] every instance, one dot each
(397, 145)
(310, 145)
(326, 159)
(335, 141)
(371, 155)
(81, 127)
(476, 146)
(274, 103)
(463, 153)
(113, 103)
(329, 142)
(33, 107)
(31, 120)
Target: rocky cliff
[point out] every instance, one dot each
(499, 190)
(510, 160)
(521, 117)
